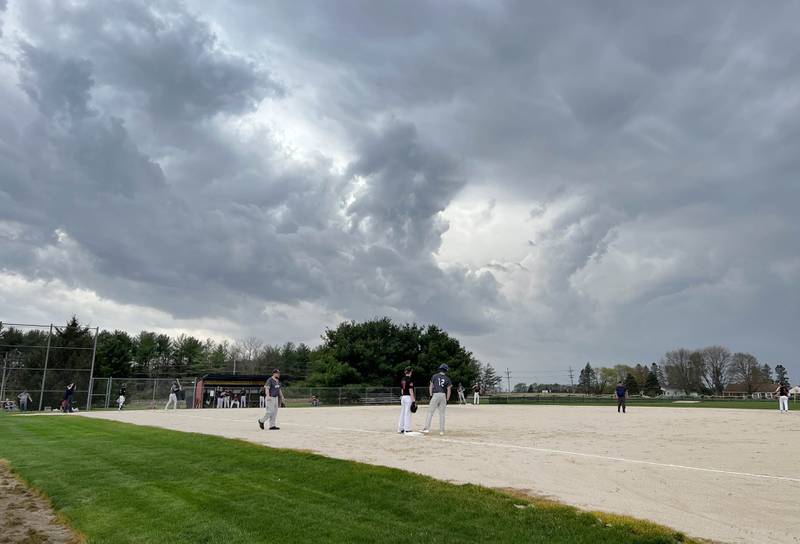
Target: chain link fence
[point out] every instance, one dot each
(39, 361)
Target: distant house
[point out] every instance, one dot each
(760, 391)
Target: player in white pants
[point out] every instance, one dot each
(173, 395)
(274, 401)
(476, 397)
(783, 397)
(439, 389)
(461, 398)
(407, 398)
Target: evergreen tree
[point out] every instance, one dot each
(587, 378)
(631, 384)
(781, 376)
(652, 386)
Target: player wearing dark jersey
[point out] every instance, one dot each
(621, 393)
(407, 398)
(783, 397)
(439, 388)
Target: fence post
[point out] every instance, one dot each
(340, 396)
(108, 391)
(91, 372)
(155, 382)
(44, 371)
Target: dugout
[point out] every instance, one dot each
(207, 386)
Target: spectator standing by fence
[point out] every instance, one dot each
(24, 398)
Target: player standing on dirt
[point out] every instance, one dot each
(439, 389)
(783, 397)
(274, 401)
(621, 393)
(407, 399)
(173, 395)
(461, 398)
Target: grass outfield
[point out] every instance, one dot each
(123, 483)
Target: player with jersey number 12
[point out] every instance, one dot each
(439, 388)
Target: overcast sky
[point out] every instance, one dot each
(552, 182)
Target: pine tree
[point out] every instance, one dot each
(586, 378)
(652, 386)
(781, 376)
(631, 384)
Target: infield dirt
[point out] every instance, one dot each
(723, 474)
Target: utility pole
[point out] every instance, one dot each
(508, 376)
(571, 381)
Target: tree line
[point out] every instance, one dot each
(370, 353)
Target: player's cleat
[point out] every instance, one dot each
(441, 433)
(261, 424)
(426, 431)
(400, 432)
(274, 428)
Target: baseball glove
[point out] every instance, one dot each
(283, 404)
(413, 407)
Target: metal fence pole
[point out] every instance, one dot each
(91, 372)
(3, 384)
(155, 382)
(44, 372)
(108, 391)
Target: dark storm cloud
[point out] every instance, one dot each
(226, 218)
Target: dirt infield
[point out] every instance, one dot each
(729, 475)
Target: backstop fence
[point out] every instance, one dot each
(39, 361)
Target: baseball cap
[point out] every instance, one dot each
(444, 368)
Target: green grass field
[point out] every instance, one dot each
(123, 483)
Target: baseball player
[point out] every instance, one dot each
(407, 398)
(476, 396)
(621, 393)
(783, 397)
(173, 395)
(461, 398)
(274, 400)
(439, 389)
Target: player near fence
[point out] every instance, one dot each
(408, 401)
(122, 397)
(783, 397)
(24, 398)
(66, 402)
(439, 389)
(461, 398)
(174, 390)
(476, 395)
(621, 392)
(275, 400)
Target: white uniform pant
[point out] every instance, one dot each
(220, 402)
(272, 412)
(404, 424)
(262, 402)
(476, 399)
(227, 402)
(173, 399)
(783, 402)
(243, 402)
(438, 402)
(461, 398)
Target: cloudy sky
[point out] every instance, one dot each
(552, 182)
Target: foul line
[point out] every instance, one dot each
(544, 450)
